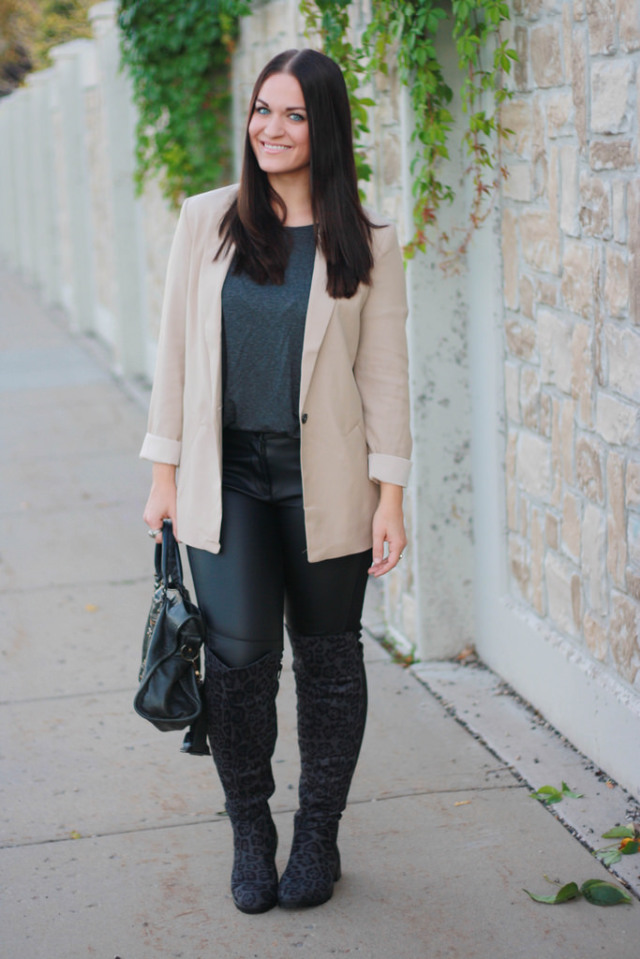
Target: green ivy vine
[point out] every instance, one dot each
(403, 33)
(178, 56)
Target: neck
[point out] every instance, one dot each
(295, 190)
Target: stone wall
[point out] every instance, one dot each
(571, 261)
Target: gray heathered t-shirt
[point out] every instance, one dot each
(262, 335)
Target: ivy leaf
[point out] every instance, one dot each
(601, 893)
(619, 832)
(568, 792)
(564, 894)
(608, 856)
(547, 795)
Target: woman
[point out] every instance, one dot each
(281, 392)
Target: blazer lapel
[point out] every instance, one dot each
(212, 277)
(319, 311)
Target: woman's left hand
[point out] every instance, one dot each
(388, 527)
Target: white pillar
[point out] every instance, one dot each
(32, 201)
(22, 179)
(129, 252)
(441, 533)
(8, 184)
(45, 221)
(73, 71)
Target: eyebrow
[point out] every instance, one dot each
(264, 103)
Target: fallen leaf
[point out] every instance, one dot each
(619, 832)
(608, 856)
(629, 846)
(75, 835)
(90, 608)
(466, 653)
(568, 792)
(547, 794)
(601, 893)
(463, 802)
(567, 892)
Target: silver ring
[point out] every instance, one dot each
(153, 532)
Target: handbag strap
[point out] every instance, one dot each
(171, 569)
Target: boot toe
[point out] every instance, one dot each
(254, 897)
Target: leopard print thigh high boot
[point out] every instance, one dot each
(332, 706)
(242, 723)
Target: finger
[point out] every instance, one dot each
(395, 552)
(377, 550)
(154, 523)
(158, 527)
(389, 562)
(380, 568)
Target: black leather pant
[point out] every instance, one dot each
(261, 574)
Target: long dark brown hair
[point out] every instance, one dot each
(343, 230)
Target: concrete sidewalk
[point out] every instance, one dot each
(113, 844)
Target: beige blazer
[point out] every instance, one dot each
(354, 406)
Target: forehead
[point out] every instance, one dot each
(282, 90)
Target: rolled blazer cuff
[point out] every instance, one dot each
(158, 449)
(389, 469)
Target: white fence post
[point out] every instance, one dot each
(8, 183)
(129, 252)
(22, 180)
(72, 63)
(43, 187)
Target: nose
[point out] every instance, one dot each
(274, 125)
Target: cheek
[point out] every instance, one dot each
(256, 125)
(303, 139)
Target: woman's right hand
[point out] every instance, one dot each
(162, 499)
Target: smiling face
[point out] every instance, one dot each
(279, 128)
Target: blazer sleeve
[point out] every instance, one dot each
(163, 441)
(382, 367)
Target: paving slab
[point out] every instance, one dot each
(56, 483)
(71, 641)
(23, 321)
(57, 423)
(422, 878)
(97, 768)
(526, 743)
(41, 367)
(79, 545)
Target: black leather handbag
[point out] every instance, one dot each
(171, 694)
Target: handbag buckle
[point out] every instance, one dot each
(189, 653)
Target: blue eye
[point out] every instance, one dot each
(262, 110)
(297, 117)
